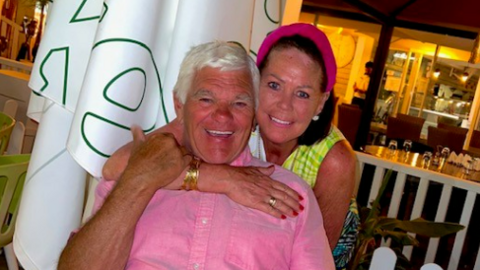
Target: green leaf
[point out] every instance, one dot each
(376, 203)
(428, 228)
(386, 223)
(399, 237)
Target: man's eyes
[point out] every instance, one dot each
(206, 100)
(241, 104)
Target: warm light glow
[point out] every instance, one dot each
(340, 29)
(400, 55)
(464, 77)
(436, 73)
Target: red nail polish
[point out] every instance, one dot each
(295, 213)
(301, 207)
(284, 217)
(300, 197)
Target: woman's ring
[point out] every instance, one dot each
(272, 201)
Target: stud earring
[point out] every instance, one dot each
(315, 118)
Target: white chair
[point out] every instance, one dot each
(15, 144)
(431, 266)
(384, 258)
(10, 108)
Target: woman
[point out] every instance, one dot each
(294, 130)
(294, 116)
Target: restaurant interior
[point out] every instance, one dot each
(420, 119)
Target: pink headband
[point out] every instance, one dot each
(307, 31)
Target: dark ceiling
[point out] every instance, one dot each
(463, 15)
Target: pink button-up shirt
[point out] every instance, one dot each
(194, 230)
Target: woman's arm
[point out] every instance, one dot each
(334, 188)
(249, 186)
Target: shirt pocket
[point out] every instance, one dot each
(258, 241)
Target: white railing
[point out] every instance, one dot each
(426, 177)
(24, 67)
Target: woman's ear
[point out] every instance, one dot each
(322, 102)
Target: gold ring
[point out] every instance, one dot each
(272, 201)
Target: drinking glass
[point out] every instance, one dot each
(427, 157)
(445, 152)
(392, 145)
(436, 159)
(407, 145)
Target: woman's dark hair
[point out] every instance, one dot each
(317, 130)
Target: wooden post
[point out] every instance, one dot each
(375, 80)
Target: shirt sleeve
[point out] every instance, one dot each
(311, 249)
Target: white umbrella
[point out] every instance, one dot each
(103, 66)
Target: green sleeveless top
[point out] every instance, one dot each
(306, 160)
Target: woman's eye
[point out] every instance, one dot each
(302, 94)
(273, 85)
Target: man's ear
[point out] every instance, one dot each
(178, 108)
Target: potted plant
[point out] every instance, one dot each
(374, 228)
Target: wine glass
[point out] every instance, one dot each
(407, 146)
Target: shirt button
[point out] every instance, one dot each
(204, 221)
(195, 265)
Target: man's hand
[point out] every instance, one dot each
(155, 161)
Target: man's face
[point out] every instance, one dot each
(218, 114)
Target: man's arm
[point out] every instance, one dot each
(116, 164)
(334, 188)
(105, 241)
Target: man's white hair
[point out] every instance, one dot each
(226, 56)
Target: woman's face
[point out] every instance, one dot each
(289, 95)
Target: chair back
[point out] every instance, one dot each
(15, 144)
(431, 266)
(451, 139)
(10, 108)
(6, 126)
(452, 128)
(383, 258)
(404, 129)
(349, 121)
(475, 140)
(410, 118)
(13, 170)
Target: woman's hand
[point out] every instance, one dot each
(251, 187)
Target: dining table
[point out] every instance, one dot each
(417, 161)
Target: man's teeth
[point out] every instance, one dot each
(216, 132)
(280, 121)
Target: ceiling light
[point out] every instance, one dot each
(464, 77)
(436, 73)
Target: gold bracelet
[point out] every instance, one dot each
(191, 177)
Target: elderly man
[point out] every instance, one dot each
(141, 225)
